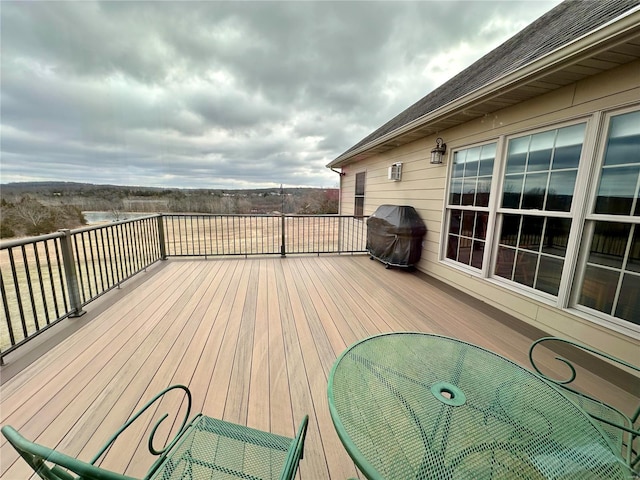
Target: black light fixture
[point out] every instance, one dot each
(437, 154)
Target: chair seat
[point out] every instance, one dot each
(215, 449)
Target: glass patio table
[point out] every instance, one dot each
(421, 406)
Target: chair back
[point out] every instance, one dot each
(296, 452)
(52, 465)
(619, 427)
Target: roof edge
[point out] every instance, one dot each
(565, 54)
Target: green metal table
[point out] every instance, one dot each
(420, 406)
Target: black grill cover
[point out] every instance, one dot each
(394, 235)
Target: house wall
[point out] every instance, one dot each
(423, 186)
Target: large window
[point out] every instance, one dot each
(610, 280)
(537, 194)
(556, 214)
(468, 204)
(358, 207)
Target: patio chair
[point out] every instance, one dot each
(621, 429)
(204, 447)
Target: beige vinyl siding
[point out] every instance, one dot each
(348, 187)
(423, 186)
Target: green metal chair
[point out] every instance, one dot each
(621, 429)
(204, 447)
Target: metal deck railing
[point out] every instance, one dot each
(48, 278)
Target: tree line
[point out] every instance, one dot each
(29, 217)
(37, 208)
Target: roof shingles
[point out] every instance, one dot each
(560, 26)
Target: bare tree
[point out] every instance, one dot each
(34, 214)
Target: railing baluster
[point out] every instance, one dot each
(132, 248)
(65, 288)
(51, 279)
(111, 250)
(283, 248)
(27, 271)
(97, 259)
(7, 311)
(144, 229)
(16, 287)
(104, 233)
(199, 233)
(117, 246)
(86, 264)
(235, 236)
(126, 249)
(78, 263)
(41, 282)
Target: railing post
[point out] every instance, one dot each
(161, 240)
(70, 274)
(283, 250)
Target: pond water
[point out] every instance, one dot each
(94, 217)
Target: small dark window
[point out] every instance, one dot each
(358, 208)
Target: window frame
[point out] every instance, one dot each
(486, 258)
(359, 197)
(559, 300)
(589, 220)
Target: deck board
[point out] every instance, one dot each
(254, 339)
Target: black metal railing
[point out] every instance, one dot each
(215, 235)
(52, 277)
(49, 278)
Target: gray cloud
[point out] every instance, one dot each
(222, 94)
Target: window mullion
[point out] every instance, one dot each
(624, 268)
(585, 182)
(491, 244)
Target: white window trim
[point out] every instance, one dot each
(574, 238)
(486, 258)
(588, 220)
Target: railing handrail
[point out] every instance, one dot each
(17, 242)
(275, 215)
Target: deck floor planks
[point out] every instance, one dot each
(312, 349)
(237, 402)
(253, 338)
(281, 415)
(258, 408)
(359, 309)
(315, 462)
(220, 396)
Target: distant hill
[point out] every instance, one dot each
(66, 188)
(86, 196)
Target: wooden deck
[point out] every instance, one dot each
(254, 339)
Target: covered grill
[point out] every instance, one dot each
(394, 235)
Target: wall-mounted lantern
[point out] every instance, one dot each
(437, 154)
(395, 172)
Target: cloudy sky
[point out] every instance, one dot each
(222, 94)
